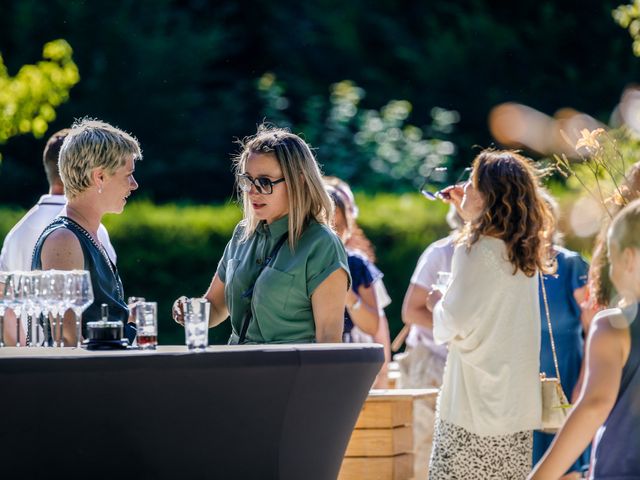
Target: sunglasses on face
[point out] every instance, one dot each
(264, 185)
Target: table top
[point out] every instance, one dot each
(69, 352)
(383, 395)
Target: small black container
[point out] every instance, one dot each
(105, 335)
(104, 330)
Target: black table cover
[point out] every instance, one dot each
(244, 412)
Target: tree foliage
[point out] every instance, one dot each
(628, 16)
(376, 149)
(28, 100)
(181, 76)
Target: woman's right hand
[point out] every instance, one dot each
(433, 297)
(177, 311)
(453, 194)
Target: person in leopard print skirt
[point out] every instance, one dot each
(489, 316)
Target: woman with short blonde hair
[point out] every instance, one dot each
(96, 163)
(93, 144)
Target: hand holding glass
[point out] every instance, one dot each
(442, 282)
(444, 193)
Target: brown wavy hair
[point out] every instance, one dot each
(514, 211)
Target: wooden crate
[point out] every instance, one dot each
(382, 411)
(380, 442)
(399, 467)
(381, 445)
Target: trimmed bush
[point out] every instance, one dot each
(169, 250)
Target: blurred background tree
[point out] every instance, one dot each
(181, 75)
(28, 100)
(374, 149)
(628, 16)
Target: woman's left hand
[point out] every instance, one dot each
(433, 297)
(352, 298)
(177, 310)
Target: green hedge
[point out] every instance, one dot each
(169, 250)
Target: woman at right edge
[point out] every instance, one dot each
(490, 400)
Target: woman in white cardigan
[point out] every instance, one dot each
(489, 316)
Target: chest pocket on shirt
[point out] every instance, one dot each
(272, 291)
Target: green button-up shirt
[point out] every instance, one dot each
(281, 306)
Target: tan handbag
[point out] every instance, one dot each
(555, 406)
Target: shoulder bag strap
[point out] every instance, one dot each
(553, 344)
(248, 293)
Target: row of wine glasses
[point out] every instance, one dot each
(39, 300)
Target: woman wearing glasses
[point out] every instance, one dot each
(284, 276)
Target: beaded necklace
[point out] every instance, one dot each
(101, 249)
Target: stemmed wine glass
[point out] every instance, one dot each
(30, 290)
(57, 301)
(13, 299)
(48, 302)
(81, 297)
(438, 175)
(3, 304)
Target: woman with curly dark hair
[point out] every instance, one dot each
(489, 316)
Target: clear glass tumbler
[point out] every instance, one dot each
(147, 325)
(196, 323)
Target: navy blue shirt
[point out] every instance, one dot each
(364, 273)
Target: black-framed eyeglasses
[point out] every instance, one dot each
(264, 185)
(441, 171)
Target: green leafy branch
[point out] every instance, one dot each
(628, 16)
(28, 100)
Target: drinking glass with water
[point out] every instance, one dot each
(442, 281)
(196, 323)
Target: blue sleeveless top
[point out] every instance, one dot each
(616, 451)
(105, 280)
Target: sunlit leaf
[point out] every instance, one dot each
(28, 100)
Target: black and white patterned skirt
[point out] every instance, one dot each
(461, 455)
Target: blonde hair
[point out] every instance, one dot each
(307, 196)
(555, 235)
(344, 200)
(93, 144)
(599, 281)
(625, 228)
